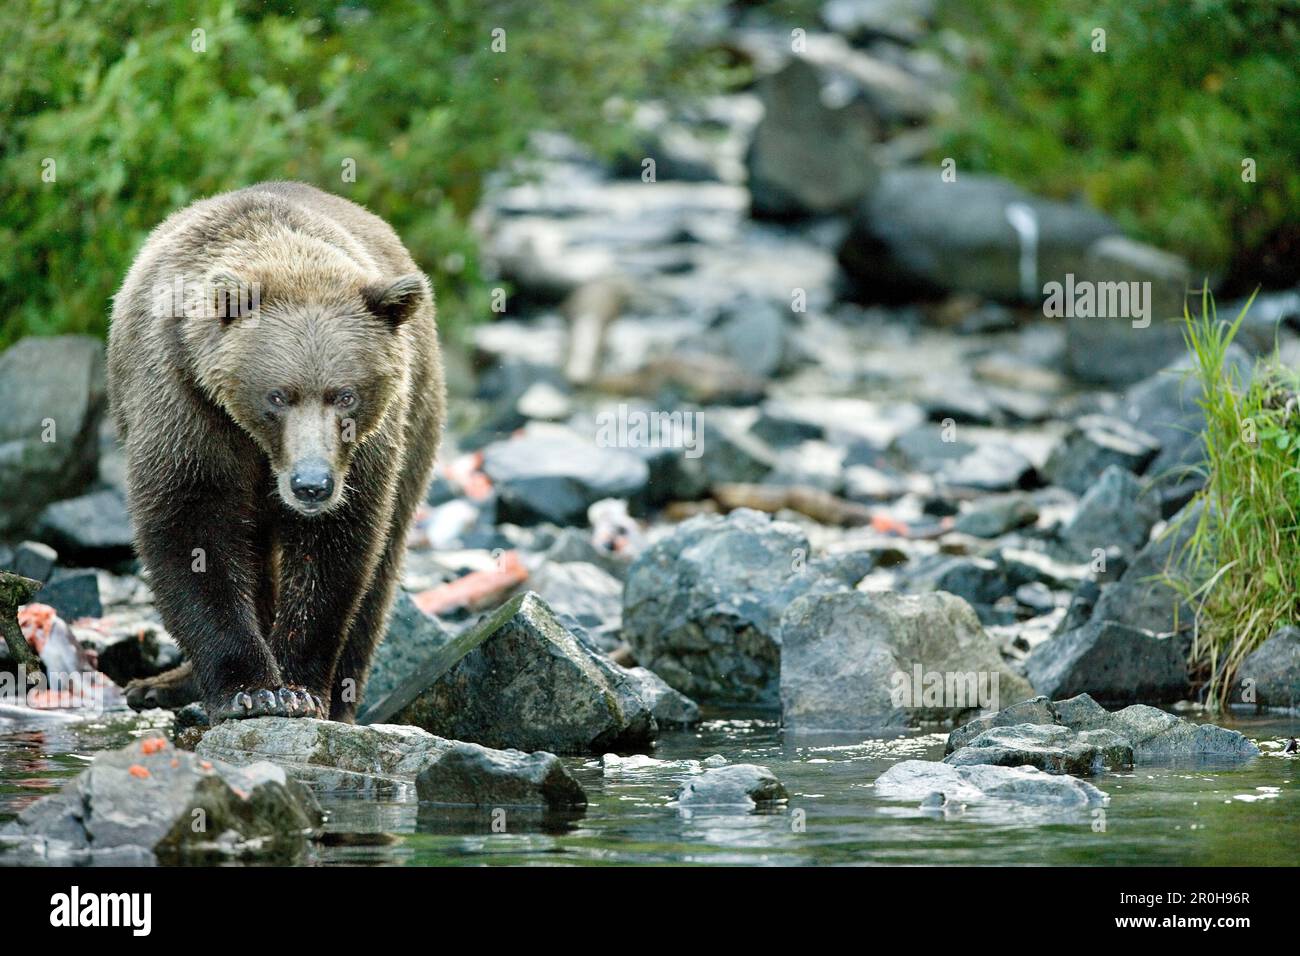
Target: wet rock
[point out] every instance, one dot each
(1269, 677)
(1154, 734)
(470, 775)
(808, 157)
(978, 580)
(553, 474)
(702, 606)
(1094, 444)
(1107, 349)
(1035, 710)
(738, 785)
(916, 780)
(74, 594)
(34, 560)
(1048, 747)
(149, 801)
(412, 637)
(854, 660)
(94, 529)
(1113, 662)
(670, 708)
(392, 761)
(520, 680)
(1114, 512)
(917, 235)
(52, 398)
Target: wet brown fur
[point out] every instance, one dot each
(284, 598)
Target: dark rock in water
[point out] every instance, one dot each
(995, 515)
(74, 594)
(1142, 597)
(857, 661)
(412, 638)
(916, 780)
(1048, 747)
(149, 801)
(470, 775)
(1269, 677)
(52, 398)
(807, 157)
(1114, 512)
(392, 761)
(1103, 346)
(1095, 443)
(1113, 662)
(552, 474)
(1035, 710)
(917, 235)
(34, 560)
(94, 528)
(1154, 734)
(520, 680)
(739, 785)
(142, 652)
(670, 708)
(702, 606)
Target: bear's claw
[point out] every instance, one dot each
(252, 702)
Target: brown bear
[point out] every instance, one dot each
(275, 376)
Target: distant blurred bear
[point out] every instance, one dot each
(274, 373)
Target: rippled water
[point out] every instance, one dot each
(1203, 814)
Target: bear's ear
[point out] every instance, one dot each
(231, 297)
(395, 300)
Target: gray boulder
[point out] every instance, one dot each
(1108, 349)
(1269, 677)
(738, 785)
(52, 398)
(1095, 443)
(995, 515)
(1035, 710)
(915, 234)
(1143, 597)
(94, 528)
(551, 473)
(150, 802)
(916, 780)
(808, 157)
(1113, 662)
(1048, 747)
(702, 606)
(1154, 734)
(519, 679)
(1114, 512)
(394, 761)
(412, 637)
(585, 592)
(859, 661)
(671, 708)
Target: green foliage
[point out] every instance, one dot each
(138, 123)
(1153, 130)
(1243, 556)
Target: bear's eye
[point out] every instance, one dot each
(277, 398)
(346, 398)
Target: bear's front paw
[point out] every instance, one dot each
(285, 701)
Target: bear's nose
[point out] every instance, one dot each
(311, 481)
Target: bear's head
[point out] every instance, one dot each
(309, 370)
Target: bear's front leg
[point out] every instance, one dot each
(205, 569)
(326, 564)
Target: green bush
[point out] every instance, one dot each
(1153, 130)
(1242, 559)
(137, 122)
